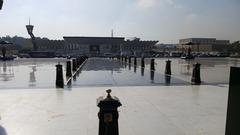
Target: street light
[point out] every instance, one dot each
(3, 48)
(1, 4)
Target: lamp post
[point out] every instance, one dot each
(108, 115)
(4, 48)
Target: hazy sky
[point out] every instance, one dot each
(163, 20)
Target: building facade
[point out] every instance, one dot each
(93, 46)
(96, 46)
(137, 47)
(203, 45)
(57, 46)
(166, 47)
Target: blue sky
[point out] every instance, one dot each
(163, 20)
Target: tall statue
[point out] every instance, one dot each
(30, 32)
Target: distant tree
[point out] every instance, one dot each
(22, 44)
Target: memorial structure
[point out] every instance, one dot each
(30, 32)
(36, 53)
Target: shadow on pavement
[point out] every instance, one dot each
(2, 131)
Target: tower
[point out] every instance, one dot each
(30, 32)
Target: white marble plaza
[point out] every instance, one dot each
(145, 110)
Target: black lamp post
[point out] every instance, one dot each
(3, 48)
(108, 115)
(1, 4)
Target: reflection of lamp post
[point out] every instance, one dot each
(1, 4)
(30, 32)
(32, 75)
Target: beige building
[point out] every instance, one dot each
(203, 45)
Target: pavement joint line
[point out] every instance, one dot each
(70, 78)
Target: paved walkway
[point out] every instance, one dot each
(146, 110)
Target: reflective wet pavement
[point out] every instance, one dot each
(101, 71)
(213, 70)
(41, 73)
(28, 73)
